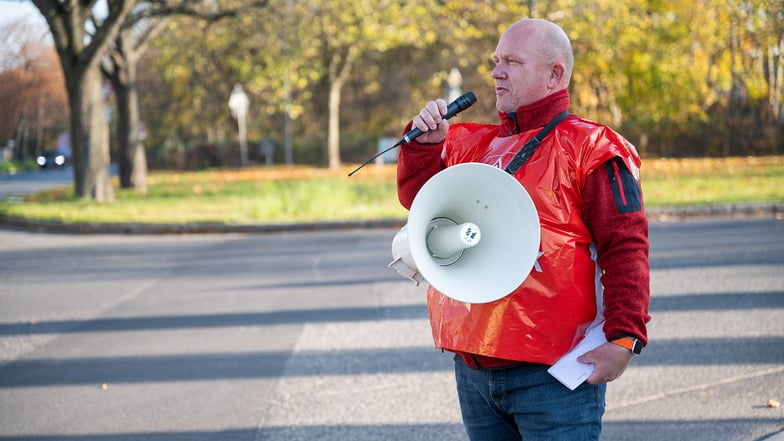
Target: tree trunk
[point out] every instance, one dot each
(39, 128)
(339, 70)
(132, 159)
(333, 133)
(774, 74)
(79, 58)
(89, 136)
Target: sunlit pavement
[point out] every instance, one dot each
(301, 336)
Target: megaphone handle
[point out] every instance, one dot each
(444, 241)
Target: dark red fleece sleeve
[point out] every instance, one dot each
(614, 213)
(416, 164)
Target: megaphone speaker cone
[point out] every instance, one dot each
(459, 201)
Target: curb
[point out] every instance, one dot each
(44, 226)
(750, 209)
(659, 214)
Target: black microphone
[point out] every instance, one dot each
(461, 103)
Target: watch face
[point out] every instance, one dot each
(636, 347)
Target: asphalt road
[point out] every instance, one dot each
(302, 336)
(23, 183)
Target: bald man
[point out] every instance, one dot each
(592, 269)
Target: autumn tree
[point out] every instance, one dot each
(31, 89)
(755, 50)
(679, 78)
(81, 33)
(147, 20)
(345, 32)
(120, 66)
(294, 53)
(188, 74)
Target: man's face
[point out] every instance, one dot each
(521, 74)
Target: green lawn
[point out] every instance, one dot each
(713, 181)
(294, 194)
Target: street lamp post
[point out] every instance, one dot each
(454, 80)
(238, 103)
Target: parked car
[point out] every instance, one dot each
(50, 160)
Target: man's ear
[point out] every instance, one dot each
(557, 73)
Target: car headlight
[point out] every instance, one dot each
(59, 160)
(40, 161)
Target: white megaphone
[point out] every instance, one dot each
(472, 234)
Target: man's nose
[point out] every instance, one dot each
(497, 72)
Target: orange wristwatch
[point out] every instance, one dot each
(629, 343)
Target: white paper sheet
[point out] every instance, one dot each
(570, 372)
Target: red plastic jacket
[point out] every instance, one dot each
(544, 317)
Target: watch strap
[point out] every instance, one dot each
(630, 343)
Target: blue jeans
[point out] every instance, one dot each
(524, 402)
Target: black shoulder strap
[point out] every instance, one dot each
(528, 149)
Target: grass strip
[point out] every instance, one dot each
(282, 194)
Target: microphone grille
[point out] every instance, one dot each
(466, 100)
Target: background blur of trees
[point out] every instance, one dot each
(34, 104)
(678, 78)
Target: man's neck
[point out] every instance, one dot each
(535, 115)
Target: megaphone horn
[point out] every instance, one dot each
(472, 233)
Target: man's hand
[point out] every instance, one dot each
(431, 122)
(609, 362)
